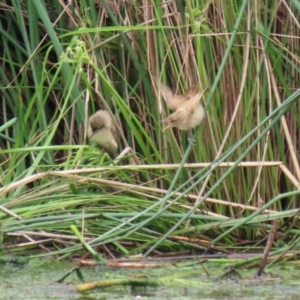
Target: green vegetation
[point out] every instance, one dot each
(60, 195)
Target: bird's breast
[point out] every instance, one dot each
(104, 138)
(193, 118)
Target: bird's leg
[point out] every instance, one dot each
(191, 141)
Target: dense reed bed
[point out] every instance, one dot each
(61, 62)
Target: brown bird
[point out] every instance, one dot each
(188, 112)
(102, 131)
(189, 115)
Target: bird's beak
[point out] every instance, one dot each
(167, 127)
(169, 124)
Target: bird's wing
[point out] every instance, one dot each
(112, 126)
(193, 102)
(191, 91)
(174, 101)
(114, 130)
(177, 101)
(166, 92)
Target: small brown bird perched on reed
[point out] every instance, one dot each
(187, 109)
(102, 131)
